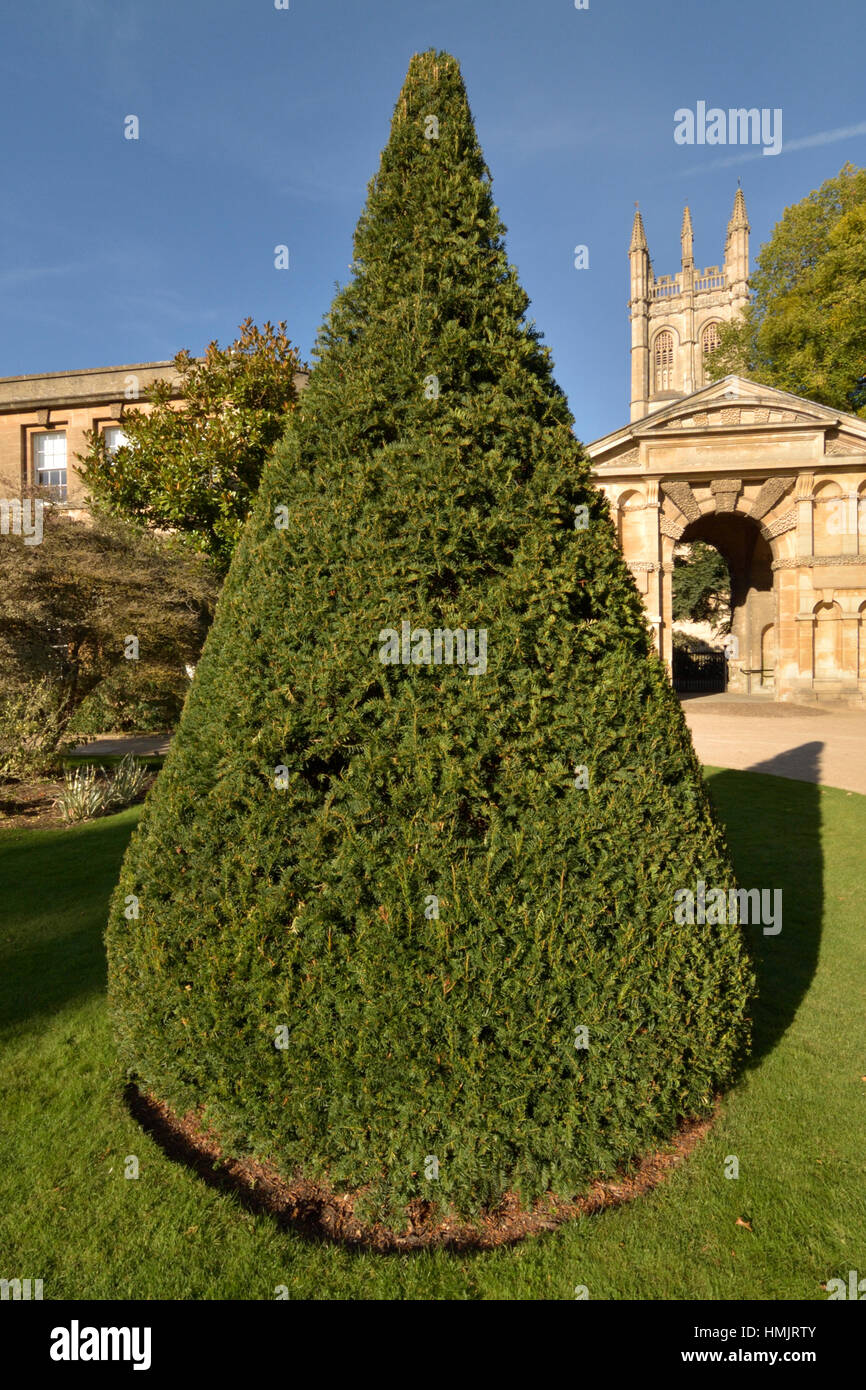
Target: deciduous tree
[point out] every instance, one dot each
(194, 465)
(805, 328)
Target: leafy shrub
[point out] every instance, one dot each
(196, 469)
(66, 606)
(132, 701)
(398, 865)
(687, 642)
(92, 791)
(33, 716)
(127, 781)
(85, 794)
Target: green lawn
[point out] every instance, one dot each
(795, 1121)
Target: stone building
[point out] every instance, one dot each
(43, 419)
(776, 483)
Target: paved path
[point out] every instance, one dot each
(142, 745)
(799, 741)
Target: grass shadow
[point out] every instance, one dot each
(56, 889)
(778, 845)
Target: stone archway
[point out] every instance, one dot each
(749, 558)
(778, 485)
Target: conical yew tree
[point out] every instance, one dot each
(400, 912)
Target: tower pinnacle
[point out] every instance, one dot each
(687, 238)
(638, 235)
(738, 216)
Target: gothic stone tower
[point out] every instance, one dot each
(675, 318)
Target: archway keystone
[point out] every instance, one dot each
(726, 491)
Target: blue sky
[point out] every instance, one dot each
(260, 127)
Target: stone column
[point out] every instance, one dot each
(850, 636)
(655, 586)
(805, 648)
(804, 505)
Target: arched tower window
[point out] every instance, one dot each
(664, 361)
(709, 343)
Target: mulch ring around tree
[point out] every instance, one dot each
(320, 1214)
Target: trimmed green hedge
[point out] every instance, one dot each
(307, 900)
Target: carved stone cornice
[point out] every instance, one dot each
(812, 561)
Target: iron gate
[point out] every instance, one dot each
(699, 672)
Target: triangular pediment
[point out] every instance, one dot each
(734, 403)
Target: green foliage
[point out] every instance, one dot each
(805, 327)
(67, 606)
(308, 905)
(33, 717)
(127, 782)
(686, 642)
(701, 584)
(89, 791)
(195, 468)
(132, 700)
(84, 794)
